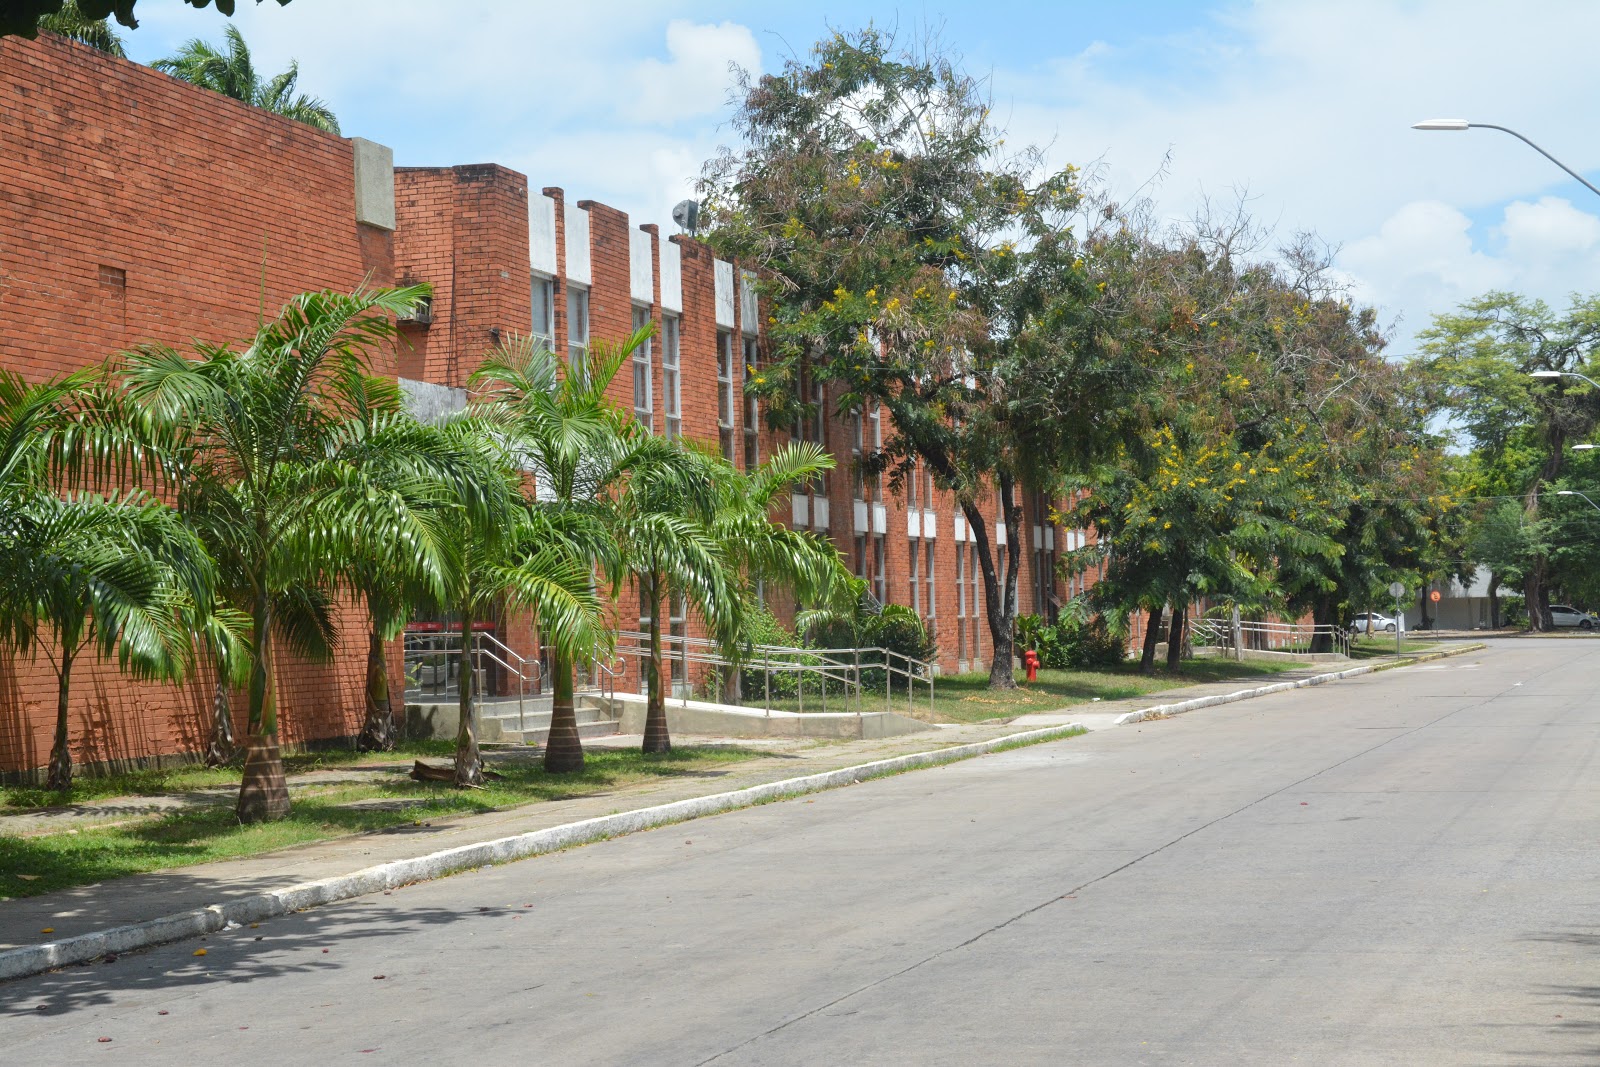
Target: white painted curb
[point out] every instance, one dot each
(35, 959)
(1283, 687)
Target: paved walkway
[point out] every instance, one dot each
(142, 897)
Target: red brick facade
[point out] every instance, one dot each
(138, 208)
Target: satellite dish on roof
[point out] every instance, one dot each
(687, 215)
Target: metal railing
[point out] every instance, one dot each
(847, 672)
(433, 665)
(1291, 637)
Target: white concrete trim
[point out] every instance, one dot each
(542, 235)
(578, 267)
(641, 268)
(671, 277)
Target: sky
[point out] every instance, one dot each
(1303, 109)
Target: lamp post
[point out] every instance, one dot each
(1563, 374)
(1463, 124)
(1574, 492)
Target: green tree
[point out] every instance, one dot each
(1484, 356)
(119, 574)
(24, 18)
(913, 264)
(257, 448)
(71, 22)
(233, 74)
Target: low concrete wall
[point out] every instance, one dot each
(726, 720)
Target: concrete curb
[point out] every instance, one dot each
(36, 959)
(1283, 687)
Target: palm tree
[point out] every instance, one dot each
(117, 574)
(259, 450)
(663, 525)
(120, 574)
(579, 450)
(70, 22)
(232, 73)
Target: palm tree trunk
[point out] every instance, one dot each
(563, 751)
(1180, 618)
(657, 738)
(264, 792)
(469, 761)
(60, 774)
(377, 730)
(221, 747)
(1152, 638)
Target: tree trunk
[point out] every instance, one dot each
(1322, 612)
(1152, 638)
(563, 752)
(1494, 601)
(60, 773)
(656, 736)
(221, 748)
(264, 792)
(999, 590)
(469, 761)
(377, 730)
(1180, 619)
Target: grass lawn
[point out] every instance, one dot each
(40, 863)
(967, 698)
(1372, 645)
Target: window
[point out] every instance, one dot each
(861, 556)
(914, 573)
(974, 598)
(577, 326)
(725, 380)
(929, 602)
(1044, 562)
(866, 436)
(752, 413)
(913, 497)
(879, 589)
(857, 443)
(813, 429)
(671, 389)
(961, 606)
(644, 408)
(875, 439)
(544, 310)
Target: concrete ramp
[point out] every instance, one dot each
(729, 720)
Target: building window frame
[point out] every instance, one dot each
(672, 375)
(726, 411)
(644, 390)
(577, 326)
(543, 291)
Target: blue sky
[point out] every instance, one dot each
(1301, 107)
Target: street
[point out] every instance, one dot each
(1398, 868)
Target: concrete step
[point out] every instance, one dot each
(537, 736)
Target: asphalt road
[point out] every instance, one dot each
(1398, 869)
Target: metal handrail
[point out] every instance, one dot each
(842, 666)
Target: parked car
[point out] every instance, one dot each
(1371, 623)
(1561, 615)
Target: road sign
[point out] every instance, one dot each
(1434, 596)
(1397, 590)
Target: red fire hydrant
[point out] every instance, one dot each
(1030, 660)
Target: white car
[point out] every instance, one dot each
(1371, 623)
(1561, 615)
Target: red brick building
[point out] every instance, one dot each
(139, 208)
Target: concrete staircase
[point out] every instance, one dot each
(501, 721)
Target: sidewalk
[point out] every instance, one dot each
(142, 898)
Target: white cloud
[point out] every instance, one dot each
(694, 82)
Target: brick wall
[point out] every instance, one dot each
(138, 208)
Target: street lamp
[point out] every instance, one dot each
(1584, 448)
(1563, 374)
(1574, 492)
(1463, 124)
